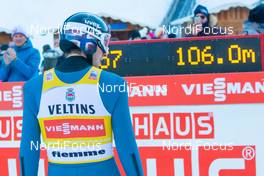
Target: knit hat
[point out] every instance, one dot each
(257, 14)
(19, 30)
(201, 9)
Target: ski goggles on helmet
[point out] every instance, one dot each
(76, 32)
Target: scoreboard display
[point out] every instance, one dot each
(185, 56)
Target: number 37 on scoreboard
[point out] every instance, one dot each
(109, 62)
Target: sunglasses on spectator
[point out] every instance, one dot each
(201, 16)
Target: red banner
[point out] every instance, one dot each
(232, 88)
(11, 96)
(215, 132)
(235, 88)
(238, 161)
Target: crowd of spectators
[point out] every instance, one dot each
(205, 24)
(255, 22)
(19, 60)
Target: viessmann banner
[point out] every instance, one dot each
(191, 125)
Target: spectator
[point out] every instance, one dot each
(203, 23)
(255, 22)
(160, 33)
(1, 69)
(5, 38)
(20, 62)
(146, 33)
(50, 58)
(135, 35)
(143, 32)
(151, 34)
(3, 48)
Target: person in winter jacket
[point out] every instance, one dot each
(20, 62)
(204, 24)
(255, 22)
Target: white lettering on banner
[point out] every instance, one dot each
(162, 127)
(144, 126)
(41, 171)
(147, 90)
(220, 88)
(14, 95)
(10, 128)
(187, 127)
(18, 128)
(248, 153)
(207, 127)
(151, 163)
(17, 94)
(180, 163)
(173, 125)
(12, 167)
(7, 95)
(189, 90)
(201, 162)
(7, 127)
(67, 128)
(178, 167)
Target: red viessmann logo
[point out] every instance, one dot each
(74, 128)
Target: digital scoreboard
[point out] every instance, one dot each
(185, 56)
